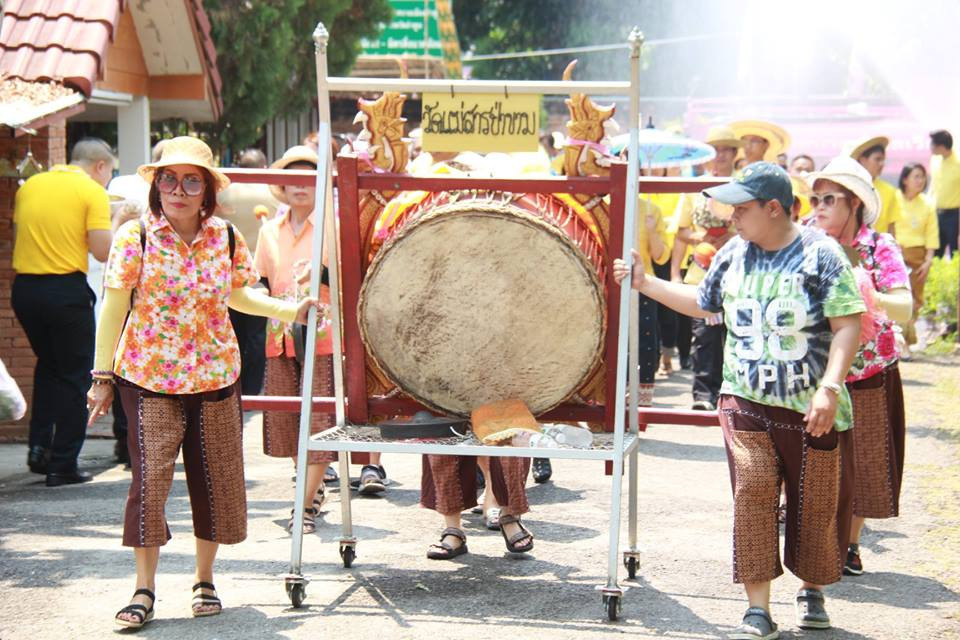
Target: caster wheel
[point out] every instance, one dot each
(297, 593)
(631, 564)
(612, 604)
(348, 554)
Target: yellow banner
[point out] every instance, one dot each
(480, 122)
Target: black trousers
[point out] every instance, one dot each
(56, 312)
(707, 360)
(674, 327)
(251, 334)
(949, 221)
(649, 353)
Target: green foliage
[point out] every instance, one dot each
(940, 292)
(266, 60)
(500, 26)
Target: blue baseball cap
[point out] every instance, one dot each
(757, 181)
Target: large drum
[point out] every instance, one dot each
(480, 297)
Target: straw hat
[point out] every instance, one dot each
(778, 138)
(293, 155)
(723, 136)
(878, 141)
(849, 173)
(185, 150)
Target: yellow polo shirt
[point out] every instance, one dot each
(53, 212)
(945, 181)
(643, 247)
(919, 226)
(889, 206)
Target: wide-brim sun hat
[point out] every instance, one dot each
(778, 138)
(293, 155)
(723, 136)
(876, 141)
(185, 150)
(849, 173)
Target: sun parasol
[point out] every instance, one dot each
(664, 150)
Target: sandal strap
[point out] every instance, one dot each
(206, 599)
(204, 585)
(145, 592)
(136, 609)
(509, 519)
(453, 531)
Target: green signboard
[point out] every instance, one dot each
(414, 30)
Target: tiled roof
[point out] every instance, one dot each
(57, 40)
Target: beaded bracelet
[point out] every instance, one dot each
(98, 381)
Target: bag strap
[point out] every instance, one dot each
(231, 240)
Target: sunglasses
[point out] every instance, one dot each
(828, 199)
(190, 185)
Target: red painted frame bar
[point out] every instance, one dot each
(618, 201)
(351, 277)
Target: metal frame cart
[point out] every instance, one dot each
(351, 403)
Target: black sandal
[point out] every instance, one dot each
(512, 541)
(201, 599)
(143, 614)
(445, 550)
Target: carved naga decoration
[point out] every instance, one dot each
(386, 150)
(585, 153)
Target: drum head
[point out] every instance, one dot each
(471, 304)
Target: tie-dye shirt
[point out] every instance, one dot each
(777, 306)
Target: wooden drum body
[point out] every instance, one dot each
(479, 297)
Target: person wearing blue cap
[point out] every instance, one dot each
(792, 311)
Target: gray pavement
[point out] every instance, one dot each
(63, 572)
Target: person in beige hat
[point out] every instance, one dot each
(872, 156)
(174, 359)
(845, 203)
(700, 219)
(761, 140)
(283, 254)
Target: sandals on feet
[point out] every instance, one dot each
(202, 600)
(445, 550)
(310, 513)
(142, 614)
(512, 541)
(492, 519)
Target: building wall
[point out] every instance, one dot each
(49, 147)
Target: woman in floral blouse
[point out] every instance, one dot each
(165, 341)
(845, 204)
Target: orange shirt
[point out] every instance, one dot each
(281, 255)
(178, 337)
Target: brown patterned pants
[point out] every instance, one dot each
(449, 483)
(209, 428)
(281, 429)
(879, 432)
(764, 446)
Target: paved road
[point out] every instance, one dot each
(63, 573)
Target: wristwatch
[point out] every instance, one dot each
(832, 386)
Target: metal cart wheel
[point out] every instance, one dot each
(613, 605)
(297, 591)
(348, 554)
(632, 564)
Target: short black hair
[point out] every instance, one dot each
(869, 151)
(942, 137)
(908, 168)
(800, 156)
(207, 208)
